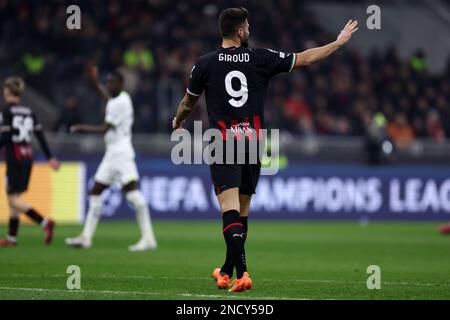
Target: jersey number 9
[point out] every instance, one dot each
(242, 93)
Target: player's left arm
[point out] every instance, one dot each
(5, 129)
(185, 109)
(314, 55)
(86, 128)
(113, 117)
(39, 133)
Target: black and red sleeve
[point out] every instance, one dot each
(39, 133)
(277, 62)
(197, 80)
(5, 128)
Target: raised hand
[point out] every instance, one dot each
(347, 32)
(93, 73)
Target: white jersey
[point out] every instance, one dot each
(119, 113)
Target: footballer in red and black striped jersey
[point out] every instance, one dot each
(235, 80)
(18, 123)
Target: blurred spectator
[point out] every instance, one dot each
(156, 42)
(69, 116)
(138, 57)
(298, 114)
(378, 146)
(400, 131)
(434, 126)
(34, 64)
(418, 61)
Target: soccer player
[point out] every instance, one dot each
(18, 122)
(235, 79)
(445, 229)
(118, 163)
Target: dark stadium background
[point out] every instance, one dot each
(364, 134)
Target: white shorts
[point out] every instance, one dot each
(120, 170)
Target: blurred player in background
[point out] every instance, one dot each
(18, 122)
(445, 229)
(235, 80)
(118, 164)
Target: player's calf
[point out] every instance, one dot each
(234, 233)
(140, 206)
(90, 225)
(11, 238)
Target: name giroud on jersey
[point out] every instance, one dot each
(237, 57)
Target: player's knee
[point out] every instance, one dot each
(229, 200)
(229, 204)
(131, 186)
(11, 202)
(14, 214)
(97, 189)
(15, 203)
(136, 199)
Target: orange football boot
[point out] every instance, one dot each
(223, 282)
(242, 284)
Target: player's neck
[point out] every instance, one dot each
(229, 43)
(12, 100)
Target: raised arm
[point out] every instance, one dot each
(93, 74)
(184, 110)
(314, 55)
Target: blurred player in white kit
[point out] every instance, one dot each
(118, 164)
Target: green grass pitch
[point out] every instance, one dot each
(287, 260)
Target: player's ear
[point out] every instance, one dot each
(240, 33)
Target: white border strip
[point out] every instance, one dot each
(294, 59)
(142, 277)
(191, 93)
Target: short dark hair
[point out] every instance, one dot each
(117, 75)
(230, 20)
(15, 85)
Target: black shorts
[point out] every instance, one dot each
(18, 176)
(242, 176)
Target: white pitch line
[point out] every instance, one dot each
(80, 291)
(149, 277)
(148, 293)
(237, 297)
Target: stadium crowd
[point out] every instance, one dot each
(156, 42)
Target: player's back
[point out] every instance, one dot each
(235, 81)
(19, 122)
